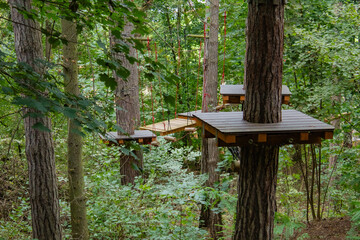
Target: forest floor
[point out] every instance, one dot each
(329, 229)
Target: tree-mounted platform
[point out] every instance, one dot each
(231, 130)
(170, 126)
(140, 136)
(236, 94)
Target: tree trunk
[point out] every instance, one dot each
(127, 98)
(40, 155)
(259, 164)
(256, 188)
(210, 153)
(74, 141)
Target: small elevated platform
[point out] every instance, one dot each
(140, 136)
(188, 115)
(168, 127)
(236, 94)
(231, 130)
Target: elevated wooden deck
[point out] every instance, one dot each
(140, 136)
(188, 115)
(168, 127)
(236, 94)
(232, 130)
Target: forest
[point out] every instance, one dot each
(105, 129)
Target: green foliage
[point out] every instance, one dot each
(285, 226)
(321, 67)
(19, 224)
(162, 206)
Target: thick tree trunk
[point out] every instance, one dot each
(43, 190)
(74, 141)
(127, 98)
(210, 152)
(258, 164)
(256, 187)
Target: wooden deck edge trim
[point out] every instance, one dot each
(285, 99)
(304, 136)
(190, 118)
(141, 140)
(262, 137)
(226, 138)
(276, 139)
(329, 135)
(280, 142)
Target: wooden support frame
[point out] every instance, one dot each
(304, 136)
(231, 130)
(139, 136)
(235, 94)
(286, 99)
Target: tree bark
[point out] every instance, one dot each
(256, 188)
(210, 153)
(43, 192)
(259, 164)
(77, 197)
(127, 98)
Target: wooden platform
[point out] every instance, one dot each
(236, 94)
(140, 136)
(231, 130)
(188, 115)
(168, 127)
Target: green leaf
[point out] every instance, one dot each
(41, 127)
(169, 99)
(31, 103)
(122, 72)
(4, 5)
(101, 44)
(7, 90)
(55, 42)
(116, 33)
(77, 131)
(69, 112)
(109, 81)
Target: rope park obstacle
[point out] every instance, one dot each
(180, 122)
(213, 123)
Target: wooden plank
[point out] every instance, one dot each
(283, 139)
(168, 127)
(285, 99)
(262, 137)
(214, 132)
(329, 135)
(140, 136)
(304, 136)
(232, 130)
(137, 134)
(238, 90)
(232, 123)
(188, 115)
(169, 138)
